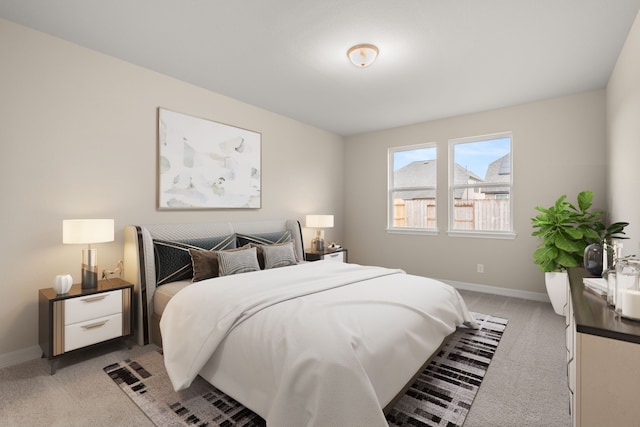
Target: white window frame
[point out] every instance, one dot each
(452, 187)
(390, 189)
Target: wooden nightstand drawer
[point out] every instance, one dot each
(92, 331)
(339, 255)
(92, 306)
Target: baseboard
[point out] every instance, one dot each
(534, 296)
(20, 356)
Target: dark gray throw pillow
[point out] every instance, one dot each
(263, 238)
(172, 258)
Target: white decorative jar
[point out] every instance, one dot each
(62, 283)
(627, 301)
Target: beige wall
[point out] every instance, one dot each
(623, 137)
(78, 138)
(558, 148)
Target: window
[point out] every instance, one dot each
(480, 186)
(412, 188)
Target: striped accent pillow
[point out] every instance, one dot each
(238, 262)
(205, 263)
(278, 255)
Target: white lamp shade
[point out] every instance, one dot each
(87, 230)
(319, 221)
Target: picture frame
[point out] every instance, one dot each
(203, 164)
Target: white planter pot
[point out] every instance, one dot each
(557, 283)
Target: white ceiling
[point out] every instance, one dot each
(438, 58)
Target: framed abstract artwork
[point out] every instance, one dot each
(204, 164)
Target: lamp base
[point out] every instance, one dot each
(89, 279)
(89, 268)
(317, 245)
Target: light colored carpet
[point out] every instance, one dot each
(524, 386)
(77, 395)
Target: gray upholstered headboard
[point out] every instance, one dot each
(139, 257)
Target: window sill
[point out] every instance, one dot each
(418, 231)
(483, 234)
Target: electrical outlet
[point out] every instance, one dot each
(480, 268)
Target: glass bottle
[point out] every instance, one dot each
(594, 258)
(627, 276)
(610, 274)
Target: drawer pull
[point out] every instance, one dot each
(94, 299)
(95, 325)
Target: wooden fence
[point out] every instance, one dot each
(477, 214)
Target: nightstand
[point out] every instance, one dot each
(328, 254)
(83, 317)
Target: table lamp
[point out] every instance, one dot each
(319, 222)
(88, 231)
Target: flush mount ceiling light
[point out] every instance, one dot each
(362, 55)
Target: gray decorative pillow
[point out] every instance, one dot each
(238, 262)
(278, 255)
(205, 263)
(264, 239)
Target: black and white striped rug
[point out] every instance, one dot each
(441, 396)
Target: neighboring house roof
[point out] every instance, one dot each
(423, 174)
(416, 174)
(498, 171)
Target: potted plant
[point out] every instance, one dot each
(566, 230)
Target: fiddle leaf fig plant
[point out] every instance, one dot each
(566, 230)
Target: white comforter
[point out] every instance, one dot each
(322, 343)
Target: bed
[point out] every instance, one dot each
(308, 343)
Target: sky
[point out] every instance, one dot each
(475, 156)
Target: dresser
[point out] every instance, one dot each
(603, 360)
(83, 317)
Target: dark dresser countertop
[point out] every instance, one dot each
(593, 316)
